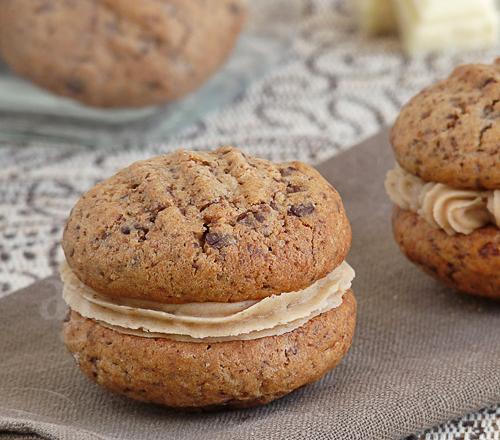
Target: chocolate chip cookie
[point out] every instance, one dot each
(119, 53)
(446, 185)
(202, 279)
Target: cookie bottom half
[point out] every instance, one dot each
(468, 263)
(211, 375)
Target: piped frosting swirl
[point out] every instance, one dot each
(453, 210)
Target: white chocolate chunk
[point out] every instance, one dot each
(376, 16)
(434, 25)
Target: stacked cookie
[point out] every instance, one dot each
(119, 53)
(205, 279)
(446, 185)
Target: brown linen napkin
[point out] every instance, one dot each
(422, 353)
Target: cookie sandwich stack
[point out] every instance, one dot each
(206, 279)
(446, 185)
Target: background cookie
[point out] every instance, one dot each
(469, 263)
(195, 227)
(114, 53)
(235, 373)
(447, 133)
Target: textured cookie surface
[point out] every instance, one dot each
(195, 227)
(119, 52)
(236, 373)
(469, 263)
(450, 132)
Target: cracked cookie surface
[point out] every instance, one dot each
(207, 226)
(450, 132)
(469, 263)
(114, 53)
(207, 375)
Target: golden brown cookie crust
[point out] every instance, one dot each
(197, 227)
(450, 132)
(116, 53)
(469, 263)
(235, 373)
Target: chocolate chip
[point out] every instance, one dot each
(218, 241)
(291, 189)
(287, 171)
(244, 218)
(249, 218)
(125, 230)
(259, 217)
(487, 111)
(451, 270)
(75, 85)
(153, 85)
(489, 250)
(234, 8)
(487, 82)
(155, 211)
(105, 235)
(142, 231)
(170, 190)
(302, 210)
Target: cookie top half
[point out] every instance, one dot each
(207, 226)
(450, 132)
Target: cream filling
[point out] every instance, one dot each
(209, 321)
(453, 210)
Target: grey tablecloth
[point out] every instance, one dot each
(422, 353)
